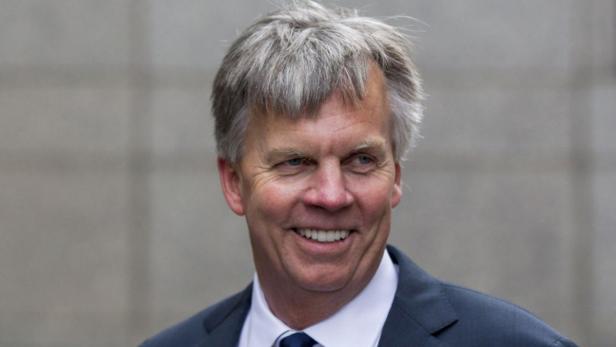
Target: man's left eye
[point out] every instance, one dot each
(362, 163)
(295, 161)
(364, 159)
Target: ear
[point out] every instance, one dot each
(396, 195)
(230, 181)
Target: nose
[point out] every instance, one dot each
(328, 189)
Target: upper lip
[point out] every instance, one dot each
(324, 228)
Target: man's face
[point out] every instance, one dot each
(318, 192)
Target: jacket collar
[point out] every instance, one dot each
(223, 324)
(420, 310)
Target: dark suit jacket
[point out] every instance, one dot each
(425, 313)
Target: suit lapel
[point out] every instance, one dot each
(401, 330)
(420, 309)
(224, 325)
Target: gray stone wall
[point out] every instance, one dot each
(112, 224)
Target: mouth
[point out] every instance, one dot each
(322, 235)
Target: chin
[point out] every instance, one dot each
(324, 281)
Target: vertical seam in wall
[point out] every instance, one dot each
(139, 170)
(614, 38)
(582, 163)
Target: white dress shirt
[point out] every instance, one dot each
(356, 324)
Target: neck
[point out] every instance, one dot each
(300, 308)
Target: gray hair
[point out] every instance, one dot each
(290, 61)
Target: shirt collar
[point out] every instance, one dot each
(358, 323)
(261, 327)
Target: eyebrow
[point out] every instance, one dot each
(277, 154)
(376, 147)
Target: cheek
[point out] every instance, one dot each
(376, 201)
(378, 192)
(269, 203)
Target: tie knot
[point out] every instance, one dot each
(298, 340)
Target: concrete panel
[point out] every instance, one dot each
(604, 308)
(199, 249)
(195, 34)
(507, 234)
(603, 111)
(182, 122)
(603, 23)
(66, 32)
(496, 34)
(497, 121)
(64, 259)
(64, 120)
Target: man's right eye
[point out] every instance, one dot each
(293, 166)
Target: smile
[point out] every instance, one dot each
(323, 235)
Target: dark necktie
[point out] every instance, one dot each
(297, 340)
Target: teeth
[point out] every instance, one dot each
(323, 235)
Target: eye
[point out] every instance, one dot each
(293, 165)
(364, 159)
(361, 163)
(294, 162)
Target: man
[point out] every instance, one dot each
(315, 109)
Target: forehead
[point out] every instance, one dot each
(335, 114)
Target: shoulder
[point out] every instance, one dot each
(185, 333)
(459, 316)
(487, 320)
(194, 329)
